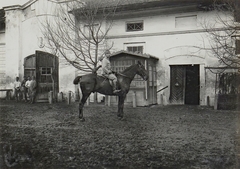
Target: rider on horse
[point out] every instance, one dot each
(107, 71)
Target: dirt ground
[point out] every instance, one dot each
(165, 137)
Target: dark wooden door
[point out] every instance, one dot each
(184, 84)
(44, 66)
(46, 75)
(192, 87)
(177, 84)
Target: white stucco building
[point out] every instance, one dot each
(169, 30)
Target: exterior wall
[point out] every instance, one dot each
(173, 45)
(163, 36)
(12, 45)
(2, 60)
(23, 37)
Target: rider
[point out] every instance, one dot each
(107, 71)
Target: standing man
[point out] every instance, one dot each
(27, 85)
(33, 90)
(17, 89)
(24, 88)
(107, 71)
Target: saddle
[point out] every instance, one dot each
(110, 81)
(106, 78)
(115, 85)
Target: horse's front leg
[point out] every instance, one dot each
(81, 105)
(120, 106)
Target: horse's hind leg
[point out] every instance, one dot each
(121, 106)
(81, 105)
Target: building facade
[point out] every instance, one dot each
(177, 35)
(172, 31)
(20, 38)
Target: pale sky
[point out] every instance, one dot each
(12, 2)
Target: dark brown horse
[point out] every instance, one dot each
(93, 83)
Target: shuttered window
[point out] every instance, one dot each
(134, 26)
(238, 47)
(135, 49)
(186, 21)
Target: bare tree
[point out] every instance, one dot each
(78, 29)
(223, 32)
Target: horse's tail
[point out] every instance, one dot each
(76, 80)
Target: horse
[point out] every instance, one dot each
(92, 82)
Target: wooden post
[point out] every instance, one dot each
(106, 100)
(161, 98)
(60, 97)
(88, 101)
(69, 97)
(50, 97)
(208, 101)
(134, 98)
(216, 102)
(109, 101)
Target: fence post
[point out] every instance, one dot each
(50, 97)
(208, 101)
(161, 98)
(134, 98)
(69, 97)
(109, 101)
(60, 97)
(216, 102)
(88, 101)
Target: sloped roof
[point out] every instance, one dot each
(125, 6)
(166, 2)
(145, 55)
(158, 2)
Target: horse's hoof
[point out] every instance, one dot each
(82, 119)
(120, 117)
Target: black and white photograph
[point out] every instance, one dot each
(119, 84)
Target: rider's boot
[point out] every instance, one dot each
(115, 87)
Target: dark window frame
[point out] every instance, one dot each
(135, 49)
(134, 26)
(47, 71)
(237, 46)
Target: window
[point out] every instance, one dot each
(186, 21)
(237, 14)
(89, 28)
(46, 71)
(120, 65)
(2, 26)
(135, 49)
(237, 47)
(134, 26)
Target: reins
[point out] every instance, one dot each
(123, 75)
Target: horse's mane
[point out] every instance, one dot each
(128, 68)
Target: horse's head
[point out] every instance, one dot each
(141, 71)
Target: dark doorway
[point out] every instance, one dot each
(192, 85)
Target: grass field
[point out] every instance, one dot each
(165, 137)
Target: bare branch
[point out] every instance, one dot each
(77, 31)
